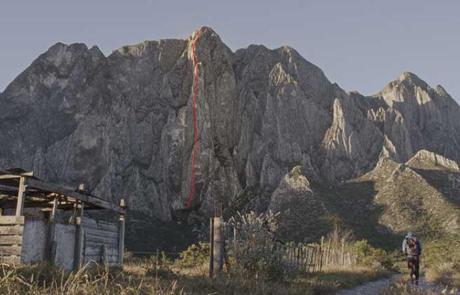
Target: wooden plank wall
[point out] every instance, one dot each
(101, 240)
(11, 231)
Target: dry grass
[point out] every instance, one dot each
(46, 279)
(441, 258)
(160, 276)
(447, 274)
(402, 287)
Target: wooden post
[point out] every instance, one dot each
(51, 231)
(312, 259)
(235, 240)
(343, 252)
(299, 256)
(218, 244)
(211, 247)
(21, 195)
(321, 251)
(105, 257)
(328, 256)
(78, 236)
(121, 237)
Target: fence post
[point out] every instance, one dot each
(235, 239)
(211, 247)
(321, 250)
(299, 255)
(313, 258)
(217, 246)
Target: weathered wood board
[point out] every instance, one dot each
(11, 232)
(100, 235)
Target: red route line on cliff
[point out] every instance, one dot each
(196, 78)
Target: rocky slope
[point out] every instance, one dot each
(419, 195)
(123, 123)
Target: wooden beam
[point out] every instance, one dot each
(9, 176)
(10, 250)
(16, 176)
(54, 188)
(14, 260)
(21, 196)
(11, 204)
(8, 240)
(11, 220)
(11, 230)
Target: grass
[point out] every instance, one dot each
(347, 278)
(401, 287)
(442, 260)
(194, 280)
(160, 276)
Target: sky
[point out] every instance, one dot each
(359, 44)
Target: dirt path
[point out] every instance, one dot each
(378, 286)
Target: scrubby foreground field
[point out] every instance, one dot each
(148, 276)
(253, 266)
(188, 274)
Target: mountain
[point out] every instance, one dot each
(124, 124)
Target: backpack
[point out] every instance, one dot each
(413, 247)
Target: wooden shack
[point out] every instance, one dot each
(42, 221)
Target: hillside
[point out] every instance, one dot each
(420, 195)
(124, 125)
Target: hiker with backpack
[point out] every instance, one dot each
(412, 247)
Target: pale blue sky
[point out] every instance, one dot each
(360, 44)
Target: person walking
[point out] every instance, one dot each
(412, 248)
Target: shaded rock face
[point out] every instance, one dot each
(123, 123)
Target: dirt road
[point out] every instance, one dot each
(376, 287)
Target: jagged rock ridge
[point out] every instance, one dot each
(123, 123)
(419, 195)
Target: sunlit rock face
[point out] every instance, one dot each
(123, 123)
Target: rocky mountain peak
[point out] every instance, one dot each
(125, 123)
(411, 78)
(408, 88)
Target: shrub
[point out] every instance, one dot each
(373, 257)
(441, 258)
(196, 254)
(255, 251)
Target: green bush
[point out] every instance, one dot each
(255, 253)
(196, 254)
(441, 258)
(373, 257)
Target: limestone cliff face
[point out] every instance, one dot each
(123, 123)
(420, 117)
